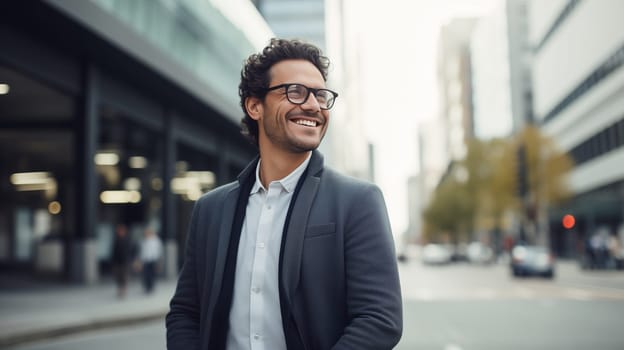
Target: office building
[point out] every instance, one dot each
(115, 112)
(578, 91)
(500, 65)
(455, 83)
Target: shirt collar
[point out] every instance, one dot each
(288, 183)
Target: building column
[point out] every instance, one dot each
(83, 249)
(169, 210)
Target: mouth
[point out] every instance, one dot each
(305, 122)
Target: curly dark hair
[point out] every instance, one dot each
(255, 77)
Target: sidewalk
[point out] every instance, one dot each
(48, 310)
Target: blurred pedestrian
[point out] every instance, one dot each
(151, 250)
(599, 248)
(293, 255)
(121, 259)
(589, 252)
(614, 251)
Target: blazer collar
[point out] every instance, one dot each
(246, 174)
(314, 167)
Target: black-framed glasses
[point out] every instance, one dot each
(298, 94)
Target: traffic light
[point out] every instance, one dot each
(521, 172)
(568, 221)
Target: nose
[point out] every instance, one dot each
(311, 103)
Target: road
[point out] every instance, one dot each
(466, 307)
(463, 307)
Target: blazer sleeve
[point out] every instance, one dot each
(374, 304)
(183, 318)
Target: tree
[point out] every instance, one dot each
(490, 180)
(449, 213)
(478, 191)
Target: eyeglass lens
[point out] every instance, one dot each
(299, 94)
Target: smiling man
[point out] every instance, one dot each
(292, 255)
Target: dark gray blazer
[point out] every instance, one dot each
(339, 274)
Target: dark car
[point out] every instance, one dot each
(528, 260)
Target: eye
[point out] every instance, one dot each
(297, 91)
(323, 96)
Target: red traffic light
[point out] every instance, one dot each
(568, 221)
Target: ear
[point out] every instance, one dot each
(254, 107)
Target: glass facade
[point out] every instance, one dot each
(93, 134)
(129, 165)
(192, 32)
(37, 178)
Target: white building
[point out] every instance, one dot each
(433, 157)
(454, 77)
(578, 89)
(443, 139)
(499, 55)
(415, 198)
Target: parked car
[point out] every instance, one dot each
(408, 252)
(459, 253)
(436, 254)
(479, 253)
(528, 260)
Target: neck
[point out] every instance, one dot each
(277, 166)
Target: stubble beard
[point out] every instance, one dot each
(281, 138)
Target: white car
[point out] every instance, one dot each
(532, 261)
(479, 253)
(436, 254)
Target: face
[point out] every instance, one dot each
(286, 126)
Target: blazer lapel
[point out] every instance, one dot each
(293, 244)
(225, 231)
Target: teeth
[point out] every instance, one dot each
(305, 122)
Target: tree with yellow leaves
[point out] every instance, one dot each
(478, 191)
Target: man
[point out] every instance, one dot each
(151, 250)
(292, 255)
(121, 257)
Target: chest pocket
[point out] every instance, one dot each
(320, 230)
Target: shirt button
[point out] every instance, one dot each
(256, 336)
(255, 290)
(261, 245)
(269, 207)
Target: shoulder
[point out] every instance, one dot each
(220, 191)
(217, 195)
(342, 182)
(347, 190)
(209, 208)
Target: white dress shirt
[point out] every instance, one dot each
(255, 316)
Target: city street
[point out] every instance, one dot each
(466, 307)
(463, 129)
(462, 307)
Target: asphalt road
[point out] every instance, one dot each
(462, 307)
(467, 307)
(512, 324)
